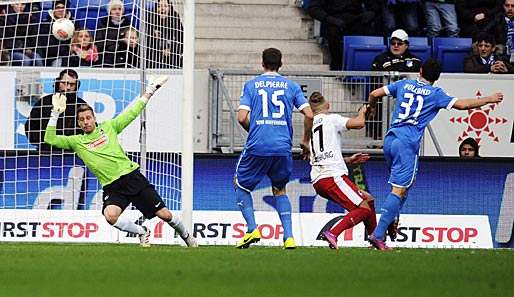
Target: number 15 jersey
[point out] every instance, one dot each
(270, 98)
(326, 157)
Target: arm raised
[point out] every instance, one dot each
(464, 104)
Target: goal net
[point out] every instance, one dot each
(115, 48)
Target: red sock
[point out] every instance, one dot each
(351, 219)
(371, 221)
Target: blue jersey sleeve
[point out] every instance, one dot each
(392, 89)
(443, 99)
(299, 100)
(245, 100)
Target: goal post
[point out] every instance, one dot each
(41, 184)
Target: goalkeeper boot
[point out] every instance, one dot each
(190, 241)
(289, 244)
(330, 238)
(378, 243)
(144, 239)
(248, 239)
(392, 229)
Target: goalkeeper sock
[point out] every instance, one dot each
(245, 203)
(284, 212)
(390, 210)
(124, 224)
(176, 224)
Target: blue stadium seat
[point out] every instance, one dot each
(360, 51)
(451, 52)
(305, 4)
(419, 46)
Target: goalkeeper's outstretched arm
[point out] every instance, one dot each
(126, 117)
(51, 137)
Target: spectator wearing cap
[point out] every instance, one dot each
(51, 49)
(398, 57)
(441, 17)
(109, 30)
(486, 61)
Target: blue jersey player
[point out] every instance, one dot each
(266, 111)
(417, 103)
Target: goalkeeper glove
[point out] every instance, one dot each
(155, 84)
(58, 102)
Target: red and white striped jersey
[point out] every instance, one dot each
(326, 157)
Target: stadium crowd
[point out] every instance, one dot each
(105, 35)
(429, 18)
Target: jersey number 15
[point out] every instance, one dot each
(275, 100)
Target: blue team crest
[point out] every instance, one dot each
(409, 64)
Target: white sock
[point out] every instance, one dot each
(124, 224)
(176, 224)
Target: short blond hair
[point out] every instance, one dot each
(317, 102)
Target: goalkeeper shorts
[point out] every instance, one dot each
(136, 189)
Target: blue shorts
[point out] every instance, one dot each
(251, 170)
(401, 155)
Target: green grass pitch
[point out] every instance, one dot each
(129, 270)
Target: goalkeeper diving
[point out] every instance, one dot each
(120, 178)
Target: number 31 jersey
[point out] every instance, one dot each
(417, 103)
(326, 157)
(270, 98)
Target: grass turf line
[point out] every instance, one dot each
(129, 270)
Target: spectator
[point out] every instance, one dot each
(83, 51)
(126, 54)
(20, 34)
(109, 29)
(503, 30)
(165, 37)
(344, 17)
(468, 148)
(476, 15)
(398, 57)
(50, 48)
(441, 16)
(400, 14)
(486, 60)
(67, 82)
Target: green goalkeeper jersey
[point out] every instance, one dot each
(100, 150)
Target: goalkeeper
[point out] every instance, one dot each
(120, 178)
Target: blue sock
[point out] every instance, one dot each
(390, 210)
(245, 203)
(284, 212)
(401, 206)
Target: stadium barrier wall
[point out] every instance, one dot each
(454, 203)
(108, 93)
(492, 125)
(227, 227)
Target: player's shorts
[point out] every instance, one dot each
(136, 189)
(341, 190)
(401, 155)
(251, 170)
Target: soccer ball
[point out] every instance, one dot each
(63, 29)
